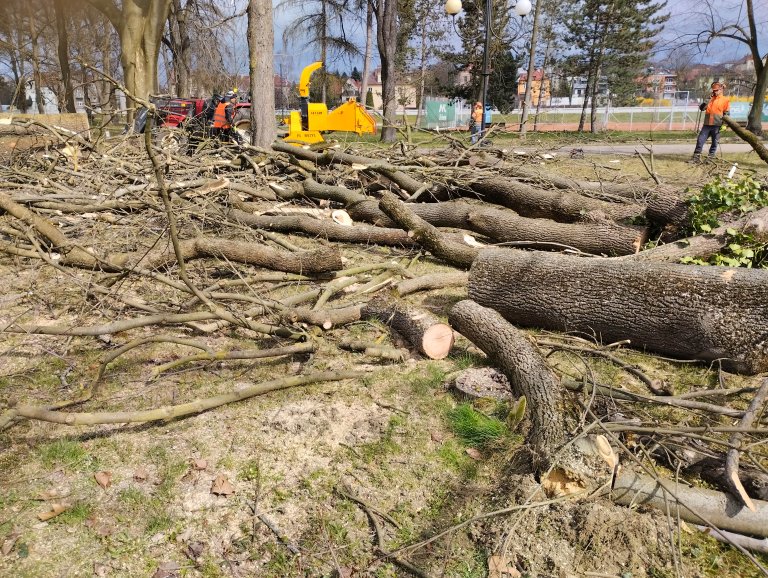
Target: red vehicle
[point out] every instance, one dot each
(193, 115)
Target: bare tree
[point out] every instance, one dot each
(737, 22)
(61, 8)
(140, 25)
(386, 37)
(261, 46)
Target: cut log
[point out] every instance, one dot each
(706, 245)
(559, 205)
(420, 328)
(525, 367)
(685, 311)
(325, 229)
(321, 260)
(695, 505)
(434, 281)
(602, 237)
(426, 235)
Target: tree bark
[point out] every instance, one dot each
(749, 137)
(706, 245)
(420, 328)
(427, 235)
(63, 54)
(386, 37)
(686, 311)
(325, 229)
(322, 260)
(558, 205)
(603, 237)
(261, 47)
(695, 505)
(526, 369)
(140, 25)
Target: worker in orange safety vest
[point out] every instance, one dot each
(476, 122)
(714, 111)
(223, 118)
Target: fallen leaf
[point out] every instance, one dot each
(221, 486)
(474, 454)
(9, 543)
(195, 550)
(500, 567)
(55, 510)
(166, 570)
(436, 436)
(51, 494)
(200, 464)
(104, 479)
(100, 569)
(141, 474)
(344, 572)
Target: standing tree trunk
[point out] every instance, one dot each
(531, 70)
(261, 46)
(63, 54)
(386, 36)
(140, 25)
(36, 76)
(368, 49)
(179, 43)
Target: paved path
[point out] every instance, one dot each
(658, 149)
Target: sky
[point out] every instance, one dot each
(686, 19)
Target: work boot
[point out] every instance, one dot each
(695, 159)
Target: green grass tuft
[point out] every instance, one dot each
(474, 428)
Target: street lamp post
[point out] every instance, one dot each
(452, 8)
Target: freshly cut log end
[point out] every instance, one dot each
(437, 341)
(420, 328)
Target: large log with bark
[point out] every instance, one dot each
(512, 351)
(685, 311)
(560, 205)
(599, 237)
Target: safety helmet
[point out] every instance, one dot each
(717, 85)
(230, 94)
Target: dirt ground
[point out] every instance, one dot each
(287, 484)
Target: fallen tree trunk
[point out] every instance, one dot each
(333, 156)
(324, 228)
(427, 235)
(322, 260)
(559, 205)
(526, 369)
(706, 245)
(748, 137)
(602, 237)
(420, 328)
(695, 505)
(686, 311)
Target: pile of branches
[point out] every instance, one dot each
(189, 246)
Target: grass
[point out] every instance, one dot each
(66, 453)
(475, 429)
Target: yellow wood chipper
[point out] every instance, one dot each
(304, 127)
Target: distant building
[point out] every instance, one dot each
(659, 84)
(541, 88)
(405, 91)
(579, 89)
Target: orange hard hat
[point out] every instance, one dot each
(717, 85)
